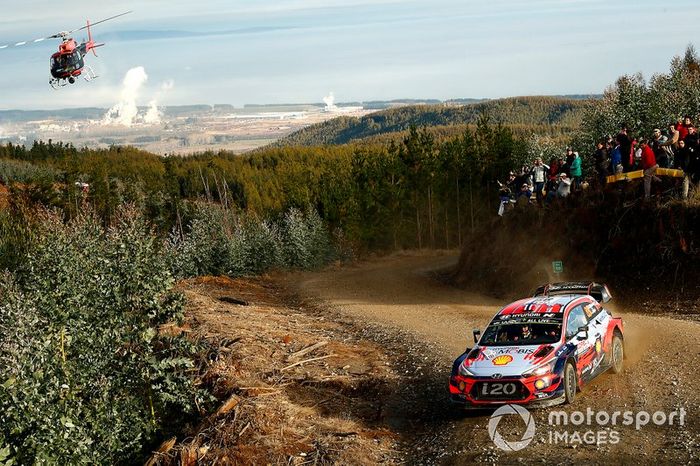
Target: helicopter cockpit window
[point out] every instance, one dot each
(68, 61)
(73, 59)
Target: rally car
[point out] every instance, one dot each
(540, 350)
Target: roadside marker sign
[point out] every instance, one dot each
(558, 266)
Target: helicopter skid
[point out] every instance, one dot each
(89, 73)
(58, 83)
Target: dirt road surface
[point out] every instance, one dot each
(425, 324)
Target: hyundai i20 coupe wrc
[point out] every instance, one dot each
(539, 351)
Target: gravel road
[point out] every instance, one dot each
(430, 324)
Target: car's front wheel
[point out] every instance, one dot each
(570, 382)
(618, 354)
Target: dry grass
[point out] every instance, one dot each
(325, 407)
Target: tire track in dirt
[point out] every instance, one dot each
(431, 324)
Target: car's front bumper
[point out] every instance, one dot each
(465, 404)
(464, 391)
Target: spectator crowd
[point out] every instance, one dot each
(677, 146)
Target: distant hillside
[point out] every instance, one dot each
(547, 111)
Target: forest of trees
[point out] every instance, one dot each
(532, 114)
(415, 192)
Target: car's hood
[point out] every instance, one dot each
(507, 360)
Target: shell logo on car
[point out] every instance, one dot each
(502, 360)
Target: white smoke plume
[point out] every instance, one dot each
(126, 111)
(329, 100)
(153, 114)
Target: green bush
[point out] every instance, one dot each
(18, 171)
(255, 248)
(305, 242)
(224, 242)
(85, 376)
(204, 248)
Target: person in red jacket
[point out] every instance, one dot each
(649, 166)
(682, 126)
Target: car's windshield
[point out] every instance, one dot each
(521, 333)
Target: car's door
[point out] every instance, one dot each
(598, 322)
(581, 340)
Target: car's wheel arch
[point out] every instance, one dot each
(617, 332)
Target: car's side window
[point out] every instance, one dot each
(577, 318)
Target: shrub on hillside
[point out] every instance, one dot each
(304, 240)
(19, 171)
(85, 376)
(224, 242)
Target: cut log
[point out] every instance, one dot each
(231, 403)
(231, 300)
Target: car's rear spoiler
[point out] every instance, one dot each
(598, 291)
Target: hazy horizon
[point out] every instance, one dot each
(299, 104)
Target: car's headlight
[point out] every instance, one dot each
(542, 369)
(464, 372)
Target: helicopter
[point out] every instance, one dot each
(69, 62)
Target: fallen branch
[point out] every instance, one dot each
(307, 360)
(307, 350)
(265, 393)
(247, 426)
(260, 388)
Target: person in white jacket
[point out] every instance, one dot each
(564, 188)
(539, 177)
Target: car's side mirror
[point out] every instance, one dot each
(583, 332)
(477, 335)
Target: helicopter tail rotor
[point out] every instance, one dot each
(94, 47)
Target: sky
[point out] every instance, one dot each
(294, 51)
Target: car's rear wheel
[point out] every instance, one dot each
(618, 354)
(570, 382)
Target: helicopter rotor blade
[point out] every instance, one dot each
(24, 42)
(98, 22)
(60, 35)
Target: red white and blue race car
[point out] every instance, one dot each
(540, 350)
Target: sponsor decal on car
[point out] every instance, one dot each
(502, 360)
(589, 310)
(491, 353)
